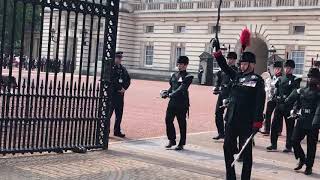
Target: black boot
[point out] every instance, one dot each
(220, 136)
(272, 148)
(287, 150)
(179, 148)
(308, 171)
(119, 134)
(171, 143)
(300, 165)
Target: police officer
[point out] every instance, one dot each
(245, 110)
(308, 99)
(270, 89)
(284, 86)
(222, 88)
(179, 103)
(120, 81)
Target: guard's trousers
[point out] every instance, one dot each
(219, 116)
(230, 148)
(279, 114)
(180, 113)
(312, 139)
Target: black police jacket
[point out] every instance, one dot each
(120, 78)
(307, 100)
(284, 86)
(224, 82)
(247, 97)
(178, 91)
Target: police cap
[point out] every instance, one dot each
(277, 64)
(290, 63)
(314, 73)
(232, 55)
(119, 54)
(183, 60)
(248, 57)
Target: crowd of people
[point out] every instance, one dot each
(44, 64)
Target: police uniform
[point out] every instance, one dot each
(244, 113)
(284, 86)
(271, 104)
(222, 88)
(120, 79)
(308, 99)
(178, 104)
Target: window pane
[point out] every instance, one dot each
(298, 58)
(149, 55)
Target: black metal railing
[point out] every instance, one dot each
(55, 65)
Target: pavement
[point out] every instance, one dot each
(141, 155)
(148, 159)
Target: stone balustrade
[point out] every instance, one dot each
(226, 4)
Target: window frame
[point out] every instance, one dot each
(146, 55)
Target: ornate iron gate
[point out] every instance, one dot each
(53, 54)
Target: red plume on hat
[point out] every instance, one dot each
(245, 38)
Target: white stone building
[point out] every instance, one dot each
(152, 33)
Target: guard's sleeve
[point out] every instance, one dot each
(183, 88)
(297, 82)
(276, 86)
(260, 102)
(219, 79)
(127, 78)
(224, 66)
(170, 82)
(316, 118)
(293, 99)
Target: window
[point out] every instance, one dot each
(214, 29)
(149, 29)
(180, 29)
(298, 29)
(149, 55)
(298, 57)
(180, 51)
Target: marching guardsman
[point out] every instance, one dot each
(223, 88)
(244, 112)
(308, 100)
(179, 102)
(284, 86)
(270, 90)
(120, 80)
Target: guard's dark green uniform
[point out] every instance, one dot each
(178, 105)
(247, 99)
(307, 99)
(284, 86)
(224, 85)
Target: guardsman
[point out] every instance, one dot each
(120, 80)
(244, 112)
(179, 103)
(308, 100)
(284, 86)
(270, 90)
(223, 88)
